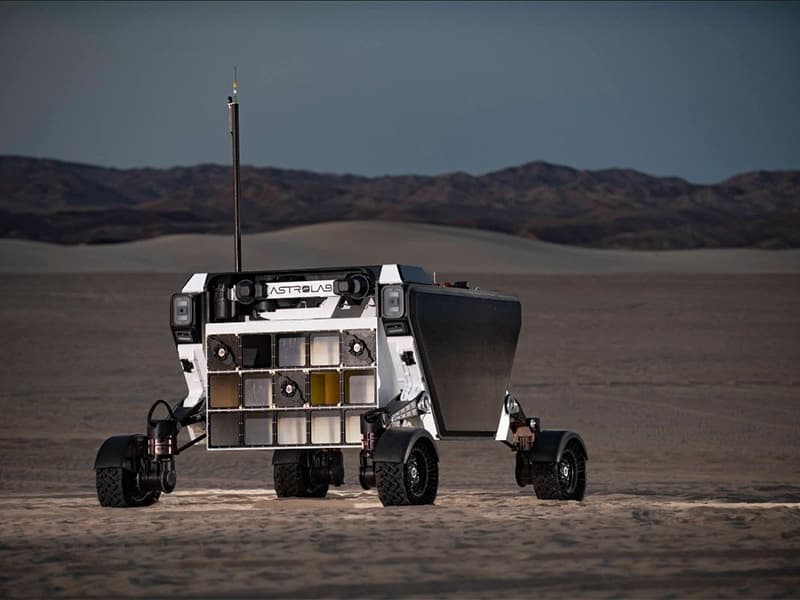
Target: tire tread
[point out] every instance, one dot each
(391, 483)
(114, 488)
(291, 482)
(390, 479)
(545, 478)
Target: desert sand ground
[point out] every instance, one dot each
(686, 389)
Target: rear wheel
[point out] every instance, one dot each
(414, 482)
(293, 480)
(562, 480)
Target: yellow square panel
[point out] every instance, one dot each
(325, 388)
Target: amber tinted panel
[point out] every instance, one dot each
(325, 388)
(224, 391)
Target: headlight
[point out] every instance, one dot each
(182, 311)
(512, 405)
(393, 302)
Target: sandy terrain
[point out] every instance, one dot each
(369, 242)
(686, 389)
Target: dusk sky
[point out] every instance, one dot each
(702, 91)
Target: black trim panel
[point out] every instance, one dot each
(466, 340)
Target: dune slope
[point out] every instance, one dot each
(437, 248)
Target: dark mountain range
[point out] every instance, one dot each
(68, 203)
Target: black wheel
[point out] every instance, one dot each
(415, 482)
(117, 487)
(294, 481)
(564, 480)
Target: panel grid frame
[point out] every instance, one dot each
(342, 409)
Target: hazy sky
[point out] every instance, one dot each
(701, 91)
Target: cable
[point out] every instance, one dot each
(153, 408)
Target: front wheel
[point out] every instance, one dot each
(562, 480)
(414, 482)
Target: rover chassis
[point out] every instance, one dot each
(307, 363)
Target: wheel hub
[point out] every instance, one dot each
(566, 472)
(415, 473)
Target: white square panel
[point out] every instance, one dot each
(360, 388)
(292, 429)
(257, 391)
(325, 349)
(352, 428)
(326, 428)
(292, 351)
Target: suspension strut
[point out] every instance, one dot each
(372, 426)
(162, 447)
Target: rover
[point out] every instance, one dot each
(308, 362)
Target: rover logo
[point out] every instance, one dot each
(300, 289)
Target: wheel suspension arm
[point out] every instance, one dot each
(396, 410)
(190, 443)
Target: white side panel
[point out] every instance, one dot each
(196, 284)
(390, 274)
(503, 433)
(396, 377)
(390, 382)
(195, 381)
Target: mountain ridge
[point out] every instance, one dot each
(68, 203)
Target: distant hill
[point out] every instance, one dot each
(67, 203)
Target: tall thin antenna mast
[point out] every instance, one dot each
(233, 126)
